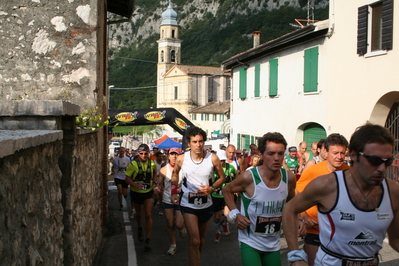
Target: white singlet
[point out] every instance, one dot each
(196, 174)
(167, 198)
(264, 210)
(350, 231)
(120, 166)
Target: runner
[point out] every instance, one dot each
(356, 206)
(220, 211)
(173, 215)
(196, 202)
(140, 175)
(264, 191)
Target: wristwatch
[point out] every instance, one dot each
(213, 188)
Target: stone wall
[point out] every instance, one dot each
(30, 207)
(52, 193)
(49, 50)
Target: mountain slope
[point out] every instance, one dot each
(212, 31)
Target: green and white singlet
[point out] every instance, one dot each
(264, 210)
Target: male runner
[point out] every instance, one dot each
(140, 175)
(336, 145)
(356, 207)
(264, 191)
(196, 202)
(119, 165)
(219, 208)
(232, 159)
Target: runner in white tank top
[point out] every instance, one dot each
(347, 228)
(195, 175)
(264, 210)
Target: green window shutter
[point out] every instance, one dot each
(257, 80)
(247, 141)
(252, 139)
(311, 69)
(238, 141)
(243, 83)
(273, 77)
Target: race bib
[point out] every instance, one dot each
(267, 226)
(370, 262)
(197, 199)
(145, 186)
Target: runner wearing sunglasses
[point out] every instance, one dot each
(357, 207)
(140, 175)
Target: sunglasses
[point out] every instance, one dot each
(143, 153)
(376, 160)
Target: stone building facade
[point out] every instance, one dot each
(53, 66)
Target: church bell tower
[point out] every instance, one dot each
(169, 48)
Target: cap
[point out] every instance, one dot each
(292, 149)
(222, 155)
(175, 150)
(143, 148)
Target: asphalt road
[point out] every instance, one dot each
(121, 232)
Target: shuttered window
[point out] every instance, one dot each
(379, 35)
(243, 83)
(257, 80)
(238, 141)
(273, 77)
(311, 69)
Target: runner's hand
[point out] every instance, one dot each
(206, 190)
(301, 228)
(242, 222)
(175, 199)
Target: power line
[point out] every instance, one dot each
(133, 59)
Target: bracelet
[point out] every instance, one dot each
(174, 189)
(297, 255)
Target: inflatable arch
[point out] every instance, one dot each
(150, 116)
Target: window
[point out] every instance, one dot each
(206, 117)
(214, 118)
(202, 117)
(221, 117)
(173, 33)
(273, 77)
(194, 116)
(257, 80)
(162, 56)
(243, 83)
(311, 59)
(173, 56)
(176, 93)
(374, 30)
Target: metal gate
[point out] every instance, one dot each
(392, 124)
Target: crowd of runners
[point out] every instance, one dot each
(335, 196)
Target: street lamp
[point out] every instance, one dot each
(109, 92)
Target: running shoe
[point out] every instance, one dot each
(171, 250)
(140, 234)
(160, 213)
(217, 238)
(132, 213)
(183, 232)
(147, 246)
(226, 229)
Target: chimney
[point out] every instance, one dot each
(256, 35)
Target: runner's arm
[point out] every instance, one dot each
(393, 232)
(242, 182)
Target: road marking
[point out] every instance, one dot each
(131, 251)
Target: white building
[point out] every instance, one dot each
(320, 79)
